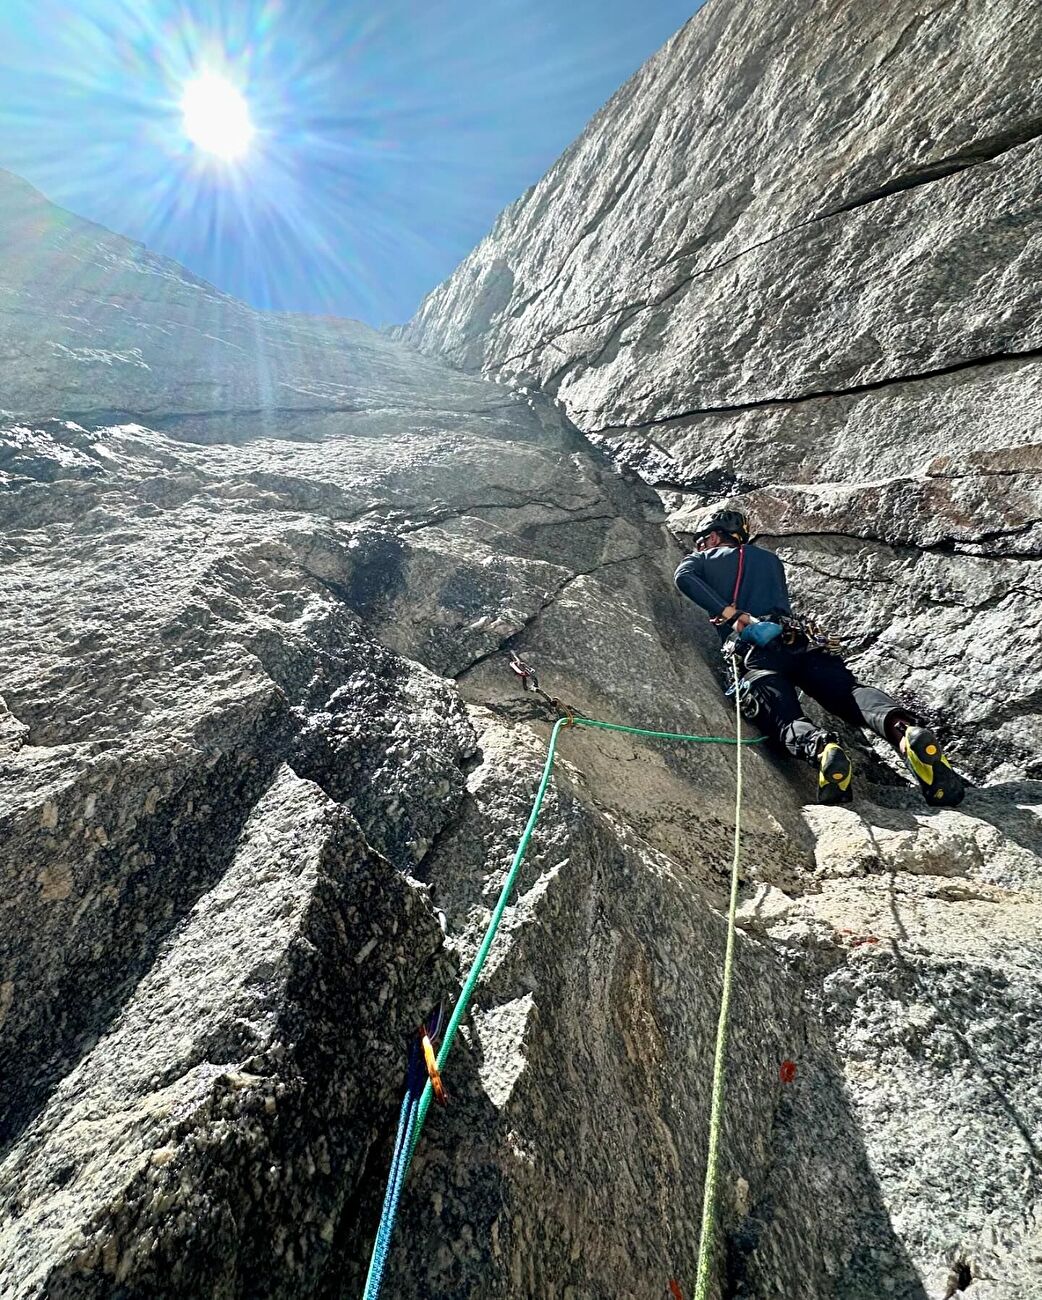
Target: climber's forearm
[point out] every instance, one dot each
(691, 584)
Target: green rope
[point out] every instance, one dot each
(705, 1242)
(669, 735)
(467, 992)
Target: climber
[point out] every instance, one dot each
(742, 588)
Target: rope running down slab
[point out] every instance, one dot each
(412, 1120)
(716, 1111)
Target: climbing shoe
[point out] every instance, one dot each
(835, 775)
(941, 786)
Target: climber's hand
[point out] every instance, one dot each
(742, 621)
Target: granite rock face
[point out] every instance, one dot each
(264, 764)
(796, 261)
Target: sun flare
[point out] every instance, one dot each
(216, 116)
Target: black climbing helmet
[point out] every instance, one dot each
(730, 522)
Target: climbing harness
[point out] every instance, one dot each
(790, 631)
(425, 1068)
(793, 631)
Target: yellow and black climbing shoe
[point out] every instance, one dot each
(941, 786)
(835, 776)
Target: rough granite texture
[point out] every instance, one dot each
(263, 764)
(794, 262)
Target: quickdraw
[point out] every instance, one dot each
(431, 1062)
(423, 1063)
(421, 1073)
(423, 1084)
(528, 675)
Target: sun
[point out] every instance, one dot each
(216, 116)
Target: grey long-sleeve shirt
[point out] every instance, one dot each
(708, 578)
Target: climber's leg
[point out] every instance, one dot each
(827, 679)
(775, 706)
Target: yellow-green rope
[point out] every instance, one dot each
(705, 1241)
(406, 1147)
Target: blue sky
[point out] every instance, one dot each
(390, 133)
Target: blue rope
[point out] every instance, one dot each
(403, 1168)
(395, 1180)
(414, 1110)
